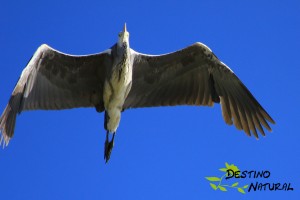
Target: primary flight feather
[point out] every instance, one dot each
(121, 78)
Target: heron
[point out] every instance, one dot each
(121, 78)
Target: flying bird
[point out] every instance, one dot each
(120, 78)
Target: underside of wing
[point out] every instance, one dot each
(195, 76)
(53, 80)
(179, 78)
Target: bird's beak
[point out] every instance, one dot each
(123, 36)
(124, 29)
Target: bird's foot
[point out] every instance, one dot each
(108, 146)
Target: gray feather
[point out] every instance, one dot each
(195, 76)
(53, 81)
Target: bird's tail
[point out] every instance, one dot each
(8, 120)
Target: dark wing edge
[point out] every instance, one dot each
(53, 80)
(239, 106)
(195, 76)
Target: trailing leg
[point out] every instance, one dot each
(108, 146)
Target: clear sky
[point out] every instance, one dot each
(160, 153)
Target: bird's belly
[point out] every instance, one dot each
(114, 95)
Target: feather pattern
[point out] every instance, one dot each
(53, 81)
(195, 76)
(191, 76)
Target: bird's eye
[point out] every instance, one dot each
(120, 34)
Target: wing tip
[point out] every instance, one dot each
(271, 120)
(7, 124)
(4, 136)
(4, 140)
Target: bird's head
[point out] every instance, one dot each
(123, 36)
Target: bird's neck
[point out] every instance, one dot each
(124, 53)
(121, 70)
(122, 43)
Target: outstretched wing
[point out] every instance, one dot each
(53, 80)
(195, 76)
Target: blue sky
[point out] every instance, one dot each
(160, 153)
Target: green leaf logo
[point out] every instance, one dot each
(213, 186)
(224, 187)
(223, 169)
(235, 184)
(241, 190)
(213, 178)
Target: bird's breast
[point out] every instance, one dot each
(117, 87)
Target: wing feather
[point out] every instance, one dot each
(52, 81)
(195, 76)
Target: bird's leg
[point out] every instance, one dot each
(108, 146)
